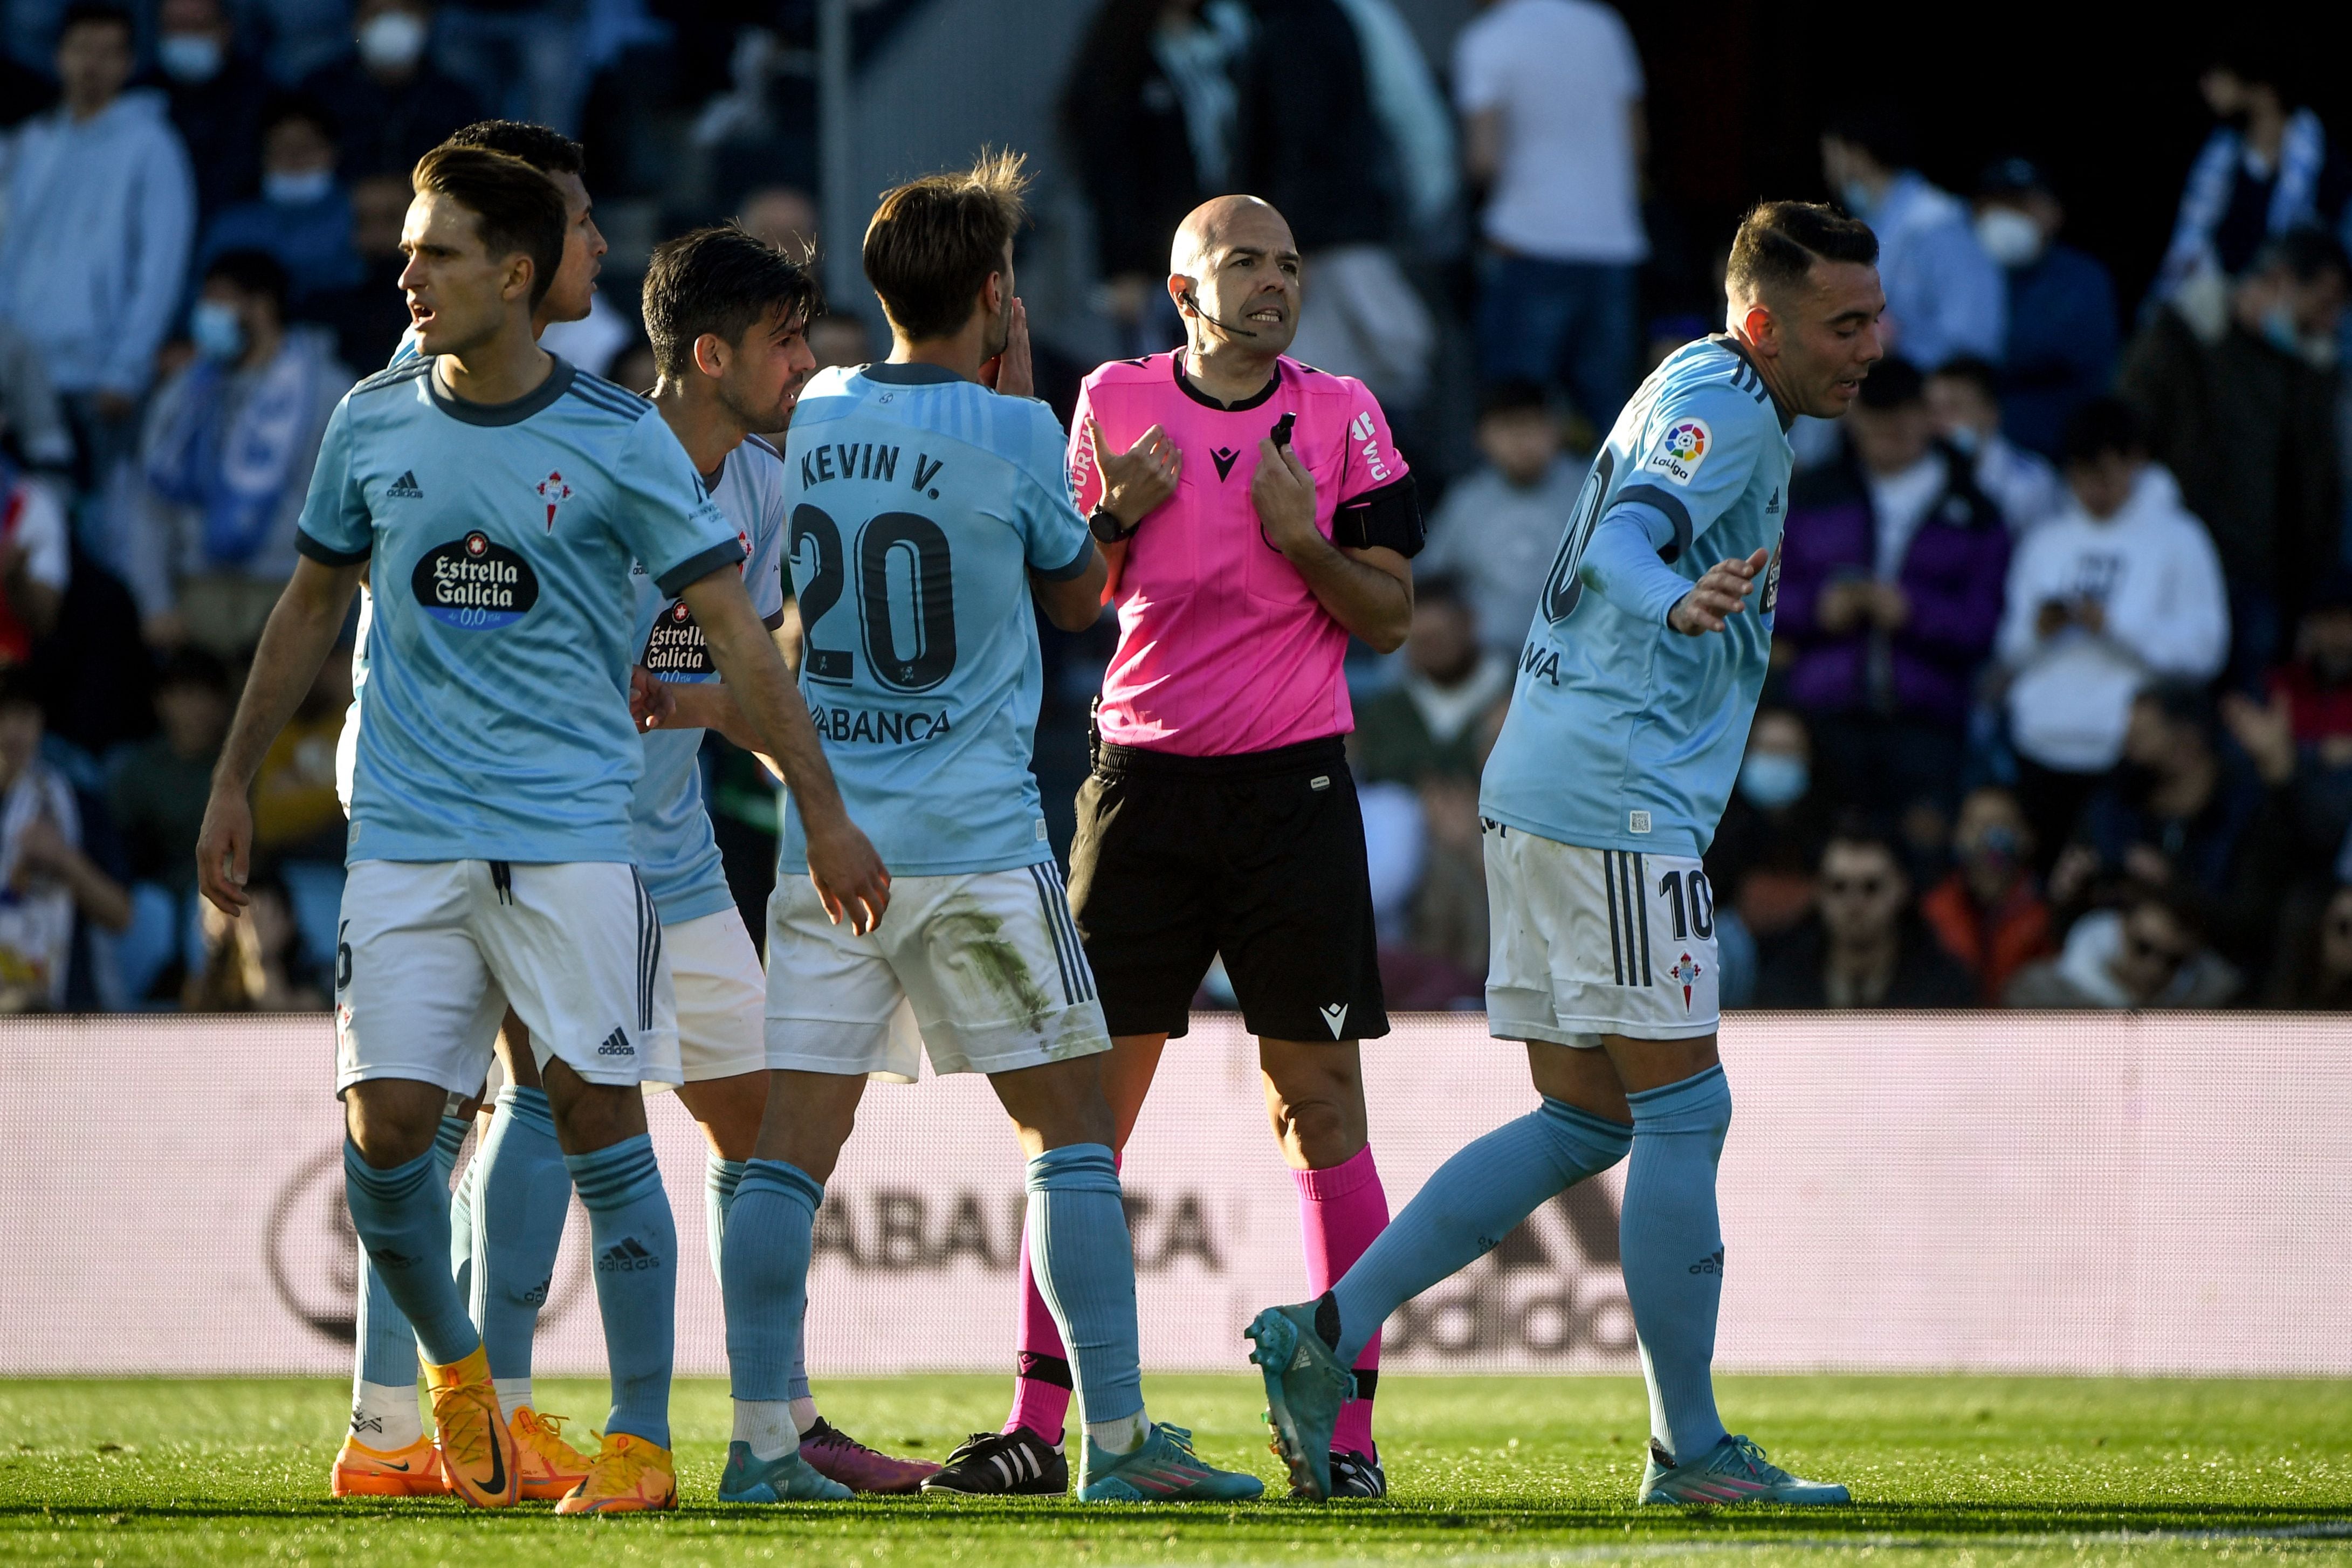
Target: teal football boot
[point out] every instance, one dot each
(1734, 1470)
(1304, 1386)
(789, 1478)
(1165, 1469)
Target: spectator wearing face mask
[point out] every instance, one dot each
(2315, 969)
(304, 216)
(2236, 391)
(217, 93)
(2267, 170)
(2061, 344)
(1891, 572)
(1964, 402)
(392, 105)
(2120, 589)
(1944, 295)
(1762, 860)
(94, 256)
(1863, 946)
(1987, 913)
(1497, 529)
(2147, 953)
(224, 461)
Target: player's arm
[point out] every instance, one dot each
(1622, 563)
(301, 632)
(1368, 590)
(848, 875)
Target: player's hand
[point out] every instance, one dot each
(1283, 491)
(1009, 372)
(652, 703)
(1719, 595)
(849, 876)
(224, 851)
(1139, 479)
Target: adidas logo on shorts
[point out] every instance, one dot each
(616, 1044)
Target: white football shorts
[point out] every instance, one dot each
(723, 997)
(982, 970)
(1587, 943)
(430, 953)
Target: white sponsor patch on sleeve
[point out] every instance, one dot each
(1680, 451)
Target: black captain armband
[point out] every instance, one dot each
(1388, 518)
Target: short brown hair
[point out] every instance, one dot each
(515, 208)
(1778, 242)
(934, 241)
(722, 280)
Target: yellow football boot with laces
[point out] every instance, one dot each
(413, 1471)
(549, 1466)
(477, 1451)
(629, 1476)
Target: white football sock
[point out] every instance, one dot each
(803, 1413)
(1124, 1435)
(514, 1393)
(767, 1425)
(383, 1416)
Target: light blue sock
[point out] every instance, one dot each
(1084, 1262)
(1472, 1201)
(401, 1216)
(387, 1343)
(448, 1145)
(1673, 1246)
(522, 1194)
(764, 1277)
(719, 1179)
(634, 1239)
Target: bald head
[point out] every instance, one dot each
(1235, 275)
(1213, 223)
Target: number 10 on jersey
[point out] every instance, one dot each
(904, 577)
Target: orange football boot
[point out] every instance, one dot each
(629, 1476)
(413, 1471)
(551, 1466)
(477, 1451)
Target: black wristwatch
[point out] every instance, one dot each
(1105, 525)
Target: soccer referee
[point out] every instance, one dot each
(1255, 514)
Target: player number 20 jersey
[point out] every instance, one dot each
(1622, 733)
(921, 503)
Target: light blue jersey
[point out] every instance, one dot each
(1623, 734)
(922, 503)
(676, 854)
(496, 722)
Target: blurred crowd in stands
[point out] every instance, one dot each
(2061, 706)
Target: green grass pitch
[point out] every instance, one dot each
(1977, 1472)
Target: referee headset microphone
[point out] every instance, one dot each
(1191, 299)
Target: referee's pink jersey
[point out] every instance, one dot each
(1222, 647)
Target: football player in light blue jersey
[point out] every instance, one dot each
(1634, 694)
(726, 315)
(929, 510)
(500, 498)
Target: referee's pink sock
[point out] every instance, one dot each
(1341, 1210)
(1041, 1387)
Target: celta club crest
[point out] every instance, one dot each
(1685, 971)
(554, 492)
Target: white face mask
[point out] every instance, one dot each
(297, 190)
(2009, 236)
(393, 40)
(189, 57)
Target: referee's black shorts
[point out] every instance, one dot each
(1258, 857)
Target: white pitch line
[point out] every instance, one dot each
(2328, 1530)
